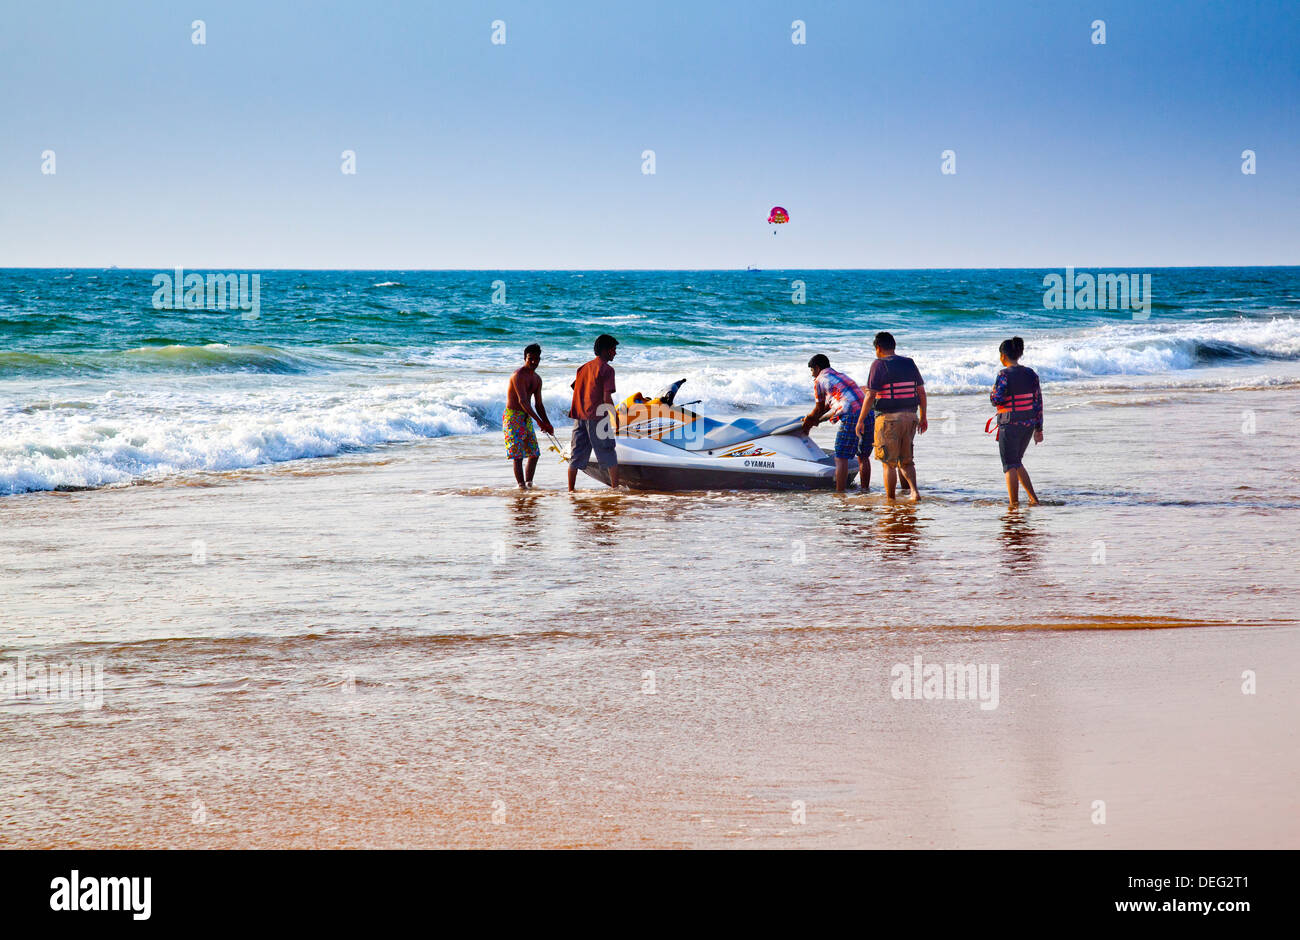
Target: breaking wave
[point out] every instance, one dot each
(149, 412)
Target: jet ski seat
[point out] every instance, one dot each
(741, 430)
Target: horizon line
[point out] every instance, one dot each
(172, 267)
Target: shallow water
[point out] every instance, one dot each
(324, 616)
(375, 649)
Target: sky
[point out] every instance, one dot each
(528, 154)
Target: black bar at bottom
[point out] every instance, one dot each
(302, 889)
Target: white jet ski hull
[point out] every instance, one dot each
(663, 446)
(785, 462)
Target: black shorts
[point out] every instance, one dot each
(1013, 439)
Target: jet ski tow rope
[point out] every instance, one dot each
(555, 446)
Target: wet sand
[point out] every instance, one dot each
(397, 649)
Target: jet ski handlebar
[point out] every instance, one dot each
(670, 393)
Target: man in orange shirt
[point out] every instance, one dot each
(593, 403)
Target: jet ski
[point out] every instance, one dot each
(665, 446)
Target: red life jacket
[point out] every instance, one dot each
(1022, 387)
(901, 390)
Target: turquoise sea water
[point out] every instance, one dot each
(393, 633)
(99, 386)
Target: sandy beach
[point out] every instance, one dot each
(397, 649)
(309, 324)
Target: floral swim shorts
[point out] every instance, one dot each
(521, 442)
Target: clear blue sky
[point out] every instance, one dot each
(528, 155)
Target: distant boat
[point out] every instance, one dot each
(753, 269)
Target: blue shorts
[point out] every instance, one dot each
(592, 434)
(868, 441)
(846, 440)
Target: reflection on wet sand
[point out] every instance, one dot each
(500, 643)
(522, 510)
(1022, 541)
(599, 518)
(520, 530)
(897, 529)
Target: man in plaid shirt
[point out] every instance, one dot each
(839, 399)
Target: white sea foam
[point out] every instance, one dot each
(97, 431)
(969, 367)
(1137, 349)
(144, 436)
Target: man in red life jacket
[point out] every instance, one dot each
(895, 392)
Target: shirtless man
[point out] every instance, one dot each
(517, 421)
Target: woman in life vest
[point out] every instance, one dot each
(1019, 400)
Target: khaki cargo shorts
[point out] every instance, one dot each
(895, 431)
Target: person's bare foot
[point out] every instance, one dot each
(915, 497)
(1013, 505)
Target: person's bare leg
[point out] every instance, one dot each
(532, 468)
(1029, 487)
(573, 477)
(841, 474)
(613, 475)
(891, 480)
(1013, 489)
(864, 473)
(908, 472)
(519, 472)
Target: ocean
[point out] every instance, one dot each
(99, 387)
(304, 604)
